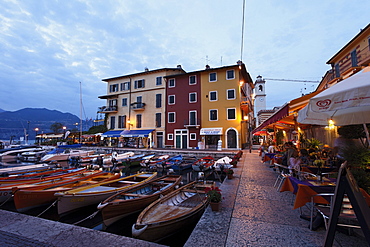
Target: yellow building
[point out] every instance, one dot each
(226, 107)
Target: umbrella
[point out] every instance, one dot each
(346, 103)
(260, 133)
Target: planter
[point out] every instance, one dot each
(215, 206)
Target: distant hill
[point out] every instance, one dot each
(1, 110)
(17, 123)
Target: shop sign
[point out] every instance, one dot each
(211, 131)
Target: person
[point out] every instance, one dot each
(295, 162)
(289, 150)
(271, 149)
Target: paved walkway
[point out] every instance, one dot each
(255, 214)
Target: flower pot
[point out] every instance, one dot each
(215, 206)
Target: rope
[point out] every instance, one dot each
(6, 200)
(88, 217)
(47, 208)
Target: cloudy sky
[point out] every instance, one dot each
(51, 47)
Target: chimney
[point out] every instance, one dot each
(239, 62)
(207, 66)
(179, 66)
(146, 69)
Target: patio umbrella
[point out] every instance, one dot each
(260, 133)
(346, 103)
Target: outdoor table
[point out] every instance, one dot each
(305, 189)
(314, 169)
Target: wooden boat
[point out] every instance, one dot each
(28, 197)
(59, 174)
(71, 200)
(156, 161)
(171, 213)
(33, 174)
(203, 164)
(6, 189)
(223, 163)
(186, 163)
(136, 199)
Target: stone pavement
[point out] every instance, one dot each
(255, 214)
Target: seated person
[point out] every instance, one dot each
(295, 162)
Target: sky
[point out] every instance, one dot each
(55, 52)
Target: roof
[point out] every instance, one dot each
(143, 73)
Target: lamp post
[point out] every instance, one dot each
(36, 130)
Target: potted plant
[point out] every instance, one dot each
(214, 196)
(229, 172)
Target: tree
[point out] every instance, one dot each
(97, 129)
(56, 127)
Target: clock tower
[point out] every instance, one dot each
(260, 96)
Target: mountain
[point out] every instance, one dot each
(1, 110)
(17, 123)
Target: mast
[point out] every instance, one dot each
(80, 113)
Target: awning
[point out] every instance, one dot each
(136, 133)
(112, 133)
(280, 114)
(211, 131)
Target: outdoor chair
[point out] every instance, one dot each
(284, 173)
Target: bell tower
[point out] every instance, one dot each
(260, 96)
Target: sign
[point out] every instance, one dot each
(210, 131)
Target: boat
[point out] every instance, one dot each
(63, 153)
(59, 174)
(136, 199)
(31, 196)
(13, 154)
(115, 157)
(155, 161)
(32, 156)
(186, 163)
(8, 171)
(203, 164)
(74, 199)
(171, 213)
(31, 174)
(172, 161)
(222, 163)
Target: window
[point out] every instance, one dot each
(212, 76)
(213, 115)
(122, 122)
(158, 118)
(158, 100)
(124, 102)
(171, 83)
(158, 81)
(192, 80)
(193, 136)
(213, 96)
(231, 113)
(192, 118)
(112, 122)
(337, 70)
(192, 97)
(138, 121)
(354, 58)
(140, 83)
(230, 74)
(171, 117)
(231, 94)
(125, 86)
(113, 88)
(170, 137)
(171, 99)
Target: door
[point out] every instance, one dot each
(231, 139)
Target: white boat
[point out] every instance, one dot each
(107, 161)
(60, 154)
(33, 156)
(13, 154)
(223, 163)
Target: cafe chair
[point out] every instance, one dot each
(347, 217)
(284, 173)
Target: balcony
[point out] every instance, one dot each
(107, 109)
(138, 106)
(191, 124)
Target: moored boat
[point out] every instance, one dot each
(186, 163)
(71, 200)
(169, 214)
(63, 153)
(20, 169)
(203, 164)
(136, 199)
(12, 154)
(222, 163)
(28, 197)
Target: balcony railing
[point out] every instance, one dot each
(138, 106)
(107, 109)
(191, 124)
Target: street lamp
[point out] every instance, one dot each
(36, 130)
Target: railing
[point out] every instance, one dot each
(106, 109)
(138, 106)
(191, 124)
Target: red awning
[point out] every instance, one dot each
(280, 114)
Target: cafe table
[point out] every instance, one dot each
(314, 169)
(305, 189)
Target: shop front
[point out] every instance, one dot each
(210, 137)
(137, 138)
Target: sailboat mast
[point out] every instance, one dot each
(80, 112)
